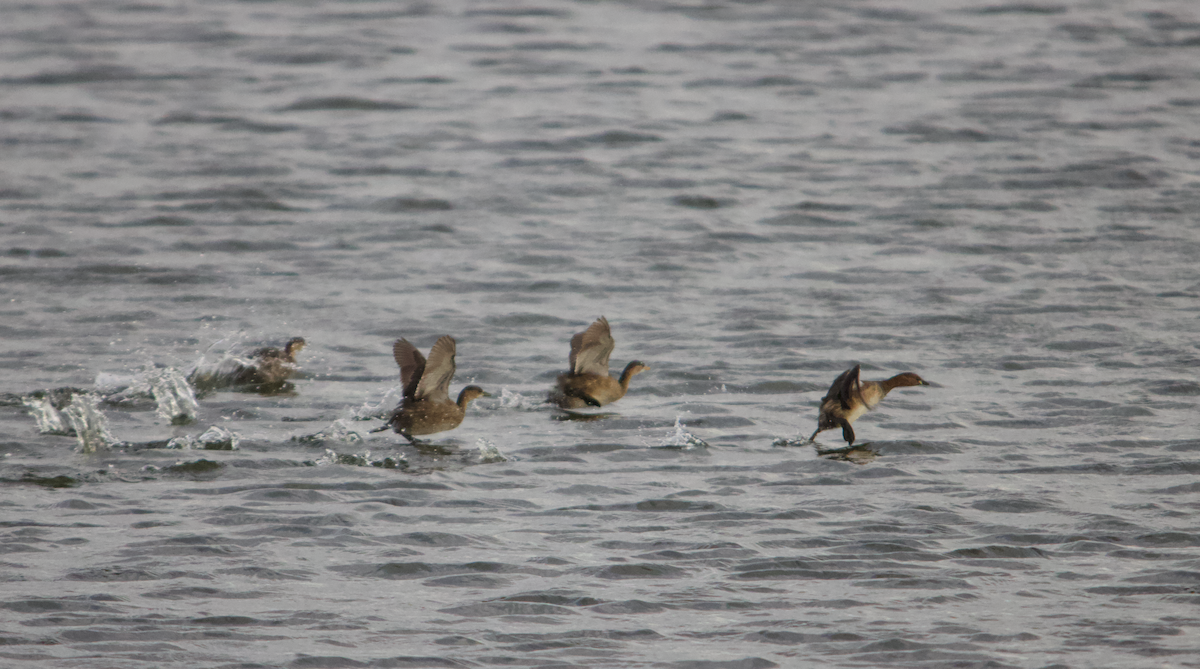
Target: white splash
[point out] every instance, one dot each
(514, 400)
(208, 374)
(91, 427)
(215, 438)
(381, 409)
(488, 453)
(110, 386)
(49, 421)
(174, 396)
(339, 430)
(330, 458)
(124, 389)
(682, 439)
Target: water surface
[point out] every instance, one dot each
(1000, 197)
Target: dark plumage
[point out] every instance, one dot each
(850, 397)
(588, 383)
(272, 366)
(426, 407)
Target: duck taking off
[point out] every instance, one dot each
(272, 366)
(588, 383)
(850, 397)
(426, 407)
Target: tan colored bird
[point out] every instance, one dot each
(849, 397)
(426, 407)
(272, 366)
(588, 382)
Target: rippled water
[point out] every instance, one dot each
(1001, 197)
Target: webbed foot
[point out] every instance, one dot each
(847, 431)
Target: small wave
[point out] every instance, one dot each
(791, 442)
(338, 431)
(332, 457)
(347, 103)
(215, 438)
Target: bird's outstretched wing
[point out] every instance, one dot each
(435, 382)
(590, 349)
(845, 386)
(412, 365)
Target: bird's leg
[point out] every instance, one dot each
(847, 431)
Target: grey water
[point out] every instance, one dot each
(1003, 197)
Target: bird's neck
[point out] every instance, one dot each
(626, 376)
(464, 399)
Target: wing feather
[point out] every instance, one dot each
(591, 348)
(847, 386)
(412, 365)
(439, 370)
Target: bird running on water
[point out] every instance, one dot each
(272, 366)
(588, 383)
(850, 397)
(426, 407)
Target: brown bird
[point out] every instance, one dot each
(272, 366)
(588, 383)
(426, 407)
(849, 397)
